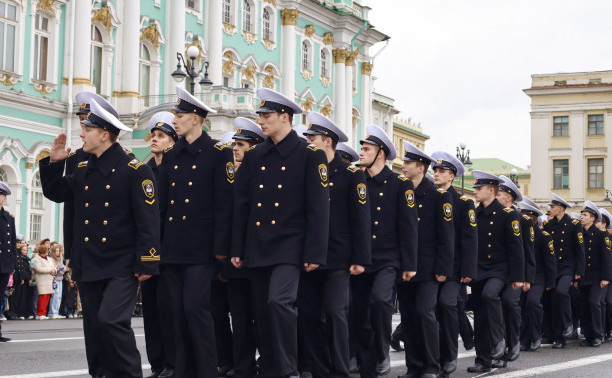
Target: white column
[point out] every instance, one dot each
(176, 41)
(127, 97)
(82, 41)
(215, 42)
(348, 92)
(288, 51)
(366, 95)
(577, 161)
(340, 56)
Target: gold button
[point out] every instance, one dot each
(561, 249)
(190, 183)
(589, 257)
(176, 167)
(552, 232)
(107, 187)
(86, 239)
(489, 245)
(273, 222)
(113, 170)
(276, 204)
(283, 168)
(171, 202)
(105, 222)
(380, 194)
(193, 167)
(86, 204)
(170, 219)
(105, 204)
(420, 205)
(560, 258)
(589, 248)
(373, 236)
(184, 217)
(103, 240)
(259, 204)
(590, 241)
(561, 240)
(260, 186)
(563, 232)
(173, 184)
(331, 184)
(378, 208)
(375, 223)
(186, 200)
(263, 168)
(494, 213)
(588, 264)
(489, 234)
(491, 223)
(280, 186)
(86, 221)
(257, 224)
(419, 219)
(86, 187)
(489, 256)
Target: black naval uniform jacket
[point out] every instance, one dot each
(569, 246)
(116, 221)
(154, 168)
(281, 206)
(528, 234)
(598, 256)
(466, 237)
(436, 233)
(500, 247)
(195, 192)
(8, 243)
(349, 217)
(394, 222)
(546, 266)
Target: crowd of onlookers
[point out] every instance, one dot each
(41, 286)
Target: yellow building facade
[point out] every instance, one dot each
(406, 130)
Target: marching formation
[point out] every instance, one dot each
(307, 251)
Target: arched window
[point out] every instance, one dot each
(227, 12)
(325, 63)
(306, 56)
(8, 32)
(3, 176)
(37, 196)
(144, 82)
(36, 206)
(247, 17)
(97, 45)
(267, 24)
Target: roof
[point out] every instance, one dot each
(494, 165)
(410, 130)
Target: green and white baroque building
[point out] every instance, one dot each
(316, 51)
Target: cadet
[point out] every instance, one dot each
(597, 276)
(8, 246)
(195, 191)
(606, 225)
(281, 223)
(436, 243)
(156, 308)
(446, 167)
(347, 153)
(393, 217)
(247, 135)
(511, 298)
(569, 249)
(500, 260)
(116, 235)
(545, 277)
(324, 293)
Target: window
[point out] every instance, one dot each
(596, 124)
(37, 196)
(305, 56)
(35, 226)
(561, 126)
(247, 17)
(8, 29)
(191, 4)
(227, 12)
(561, 174)
(324, 63)
(144, 82)
(96, 57)
(3, 176)
(596, 173)
(41, 47)
(267, 24)
(226, 81)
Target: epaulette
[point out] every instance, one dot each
(545, 233)
(12, 215)
(526, 217)
(402, 177)
(168, 148)
(127, 152)
(312, 147)
(575, 221)
(464, 197)
(134, 163)
(220, 146)
(352, 168)
(82, 164)
(508, 209)
(252, 147)
(71, 154)
(441, 190)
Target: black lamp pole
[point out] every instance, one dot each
(193, 74)
(464, 156)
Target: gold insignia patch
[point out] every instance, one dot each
(127, 152)
(159, 124)
(531, 233)
(508, 209)
(82, 164)
(219, 146)
(402, 177)
(135, 163)
(72, 153)
(168, 148)
(313, 147)
(149, 191)
(352, 168)
(551, 247)
(448, 212)
(229, 169)
(153, 256)
(409, 194)
(323, 174)
(580, 238)
(608, 244)
(83, 105)
(439, 162)
(516, 228)
(252, 147)
(464, 197)
(526, 217)
(576, 222)
(361, 192)
(472, 216)
(262, 102)
(545, 233)
(441, 190)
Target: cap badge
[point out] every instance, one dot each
(178, 101)
(159, 124)
(262, 102)
(309, 126)
(83, 105)
(440, 162)
(238, 131)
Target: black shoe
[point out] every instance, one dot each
(568, 331)
(558, 345)
(429, 375)
(513, 354)
(410, 375)
(585, 343)
(524, 348)
(608, 337)
(305, 374)
(395, 344)
(546, 340)
(353, 366)
(596, 343)
(499, 350)
(154, 374)
(535, 345)
(223, 370)
(478, 368)
(166, 373)
(449, 368)
(4, 339)
(573, 335)
(499, 364)
(468, 345)
(384, 366)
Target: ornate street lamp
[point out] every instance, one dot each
(514, 177)
(179, 75)
(464, 157)
(607, 196)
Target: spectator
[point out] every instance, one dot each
(57, 256)
(46, 242)
(23, 280)
(72, 294)
(44, 271)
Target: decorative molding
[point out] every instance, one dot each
(228, 67)
(248, 73)
(307, 104)
(350, 60)
(340, 55)
(43, 87)
(326, 110)
(8, 79)
(104, 17)
(325, 81)
(270, 45)
(249, 37)
(273, 2)
(328, 39)
(46, 5)
(229, 29)
(29, 165)
(309, 31)
(307, 74)
(289, 16)
(366, 68)
(151, 33)
(126, 94)
(268, 81)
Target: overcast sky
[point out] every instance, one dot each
(459, 67)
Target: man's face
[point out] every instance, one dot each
(272, 123)
(586, 218)
(505, 199)
(92, 138)
(368, 153)
(320, 141)
(443, 177)
(483, 193)
(185, 122)
(555, 210)
(240, 146)
(160, 141)
(411, 169)
(2, 199)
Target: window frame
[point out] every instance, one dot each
(561, 135)
(597, 124)
(599, 176)
(93, 45)
(252, 26)
(562, 174)
(230, 14)
(38, 64)
(325, 65)
(15, 24)
(306, 58)
(142, 62)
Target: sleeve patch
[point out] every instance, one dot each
(402, 177)
(149, 191)
(153, 256)
(352, 168)
(168, 148)
(220, 146)
(441, 190)
(472, 216)
(361, 192)
(580, 238)
(531, 234)
(608, 244)
(448, 211)
(229, 170)
(323, 174)
(508, 209)
(134, 163)
(464, 197)
(127, 152)
(409, 194)
(551, 247)
(576, 222)
(313, 147)
(516, 228)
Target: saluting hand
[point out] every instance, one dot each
(356, 270)
(310, 267)
(517, 285)
(237, 262)
(407, 275)
(58, 150)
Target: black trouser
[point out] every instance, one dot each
(465, 327)
(372, 293)
(531, 315)
(547, 318)
(449, 322)
(157, 321)
(561, 307)
(194, 331)
(275, 291)
(243, 327)
(4, 277)
(488, 319)
(511, 307)
(110, 344)
(576, 300)
(417, 302)
(324, 294)
(223, 329)
(608, 309)
(591, 317)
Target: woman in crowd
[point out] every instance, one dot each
(44, 271)
(22, 280)
(57, 256)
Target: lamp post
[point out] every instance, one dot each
(608, 192)
(464, 157)
(179, 74)
(514, 177)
